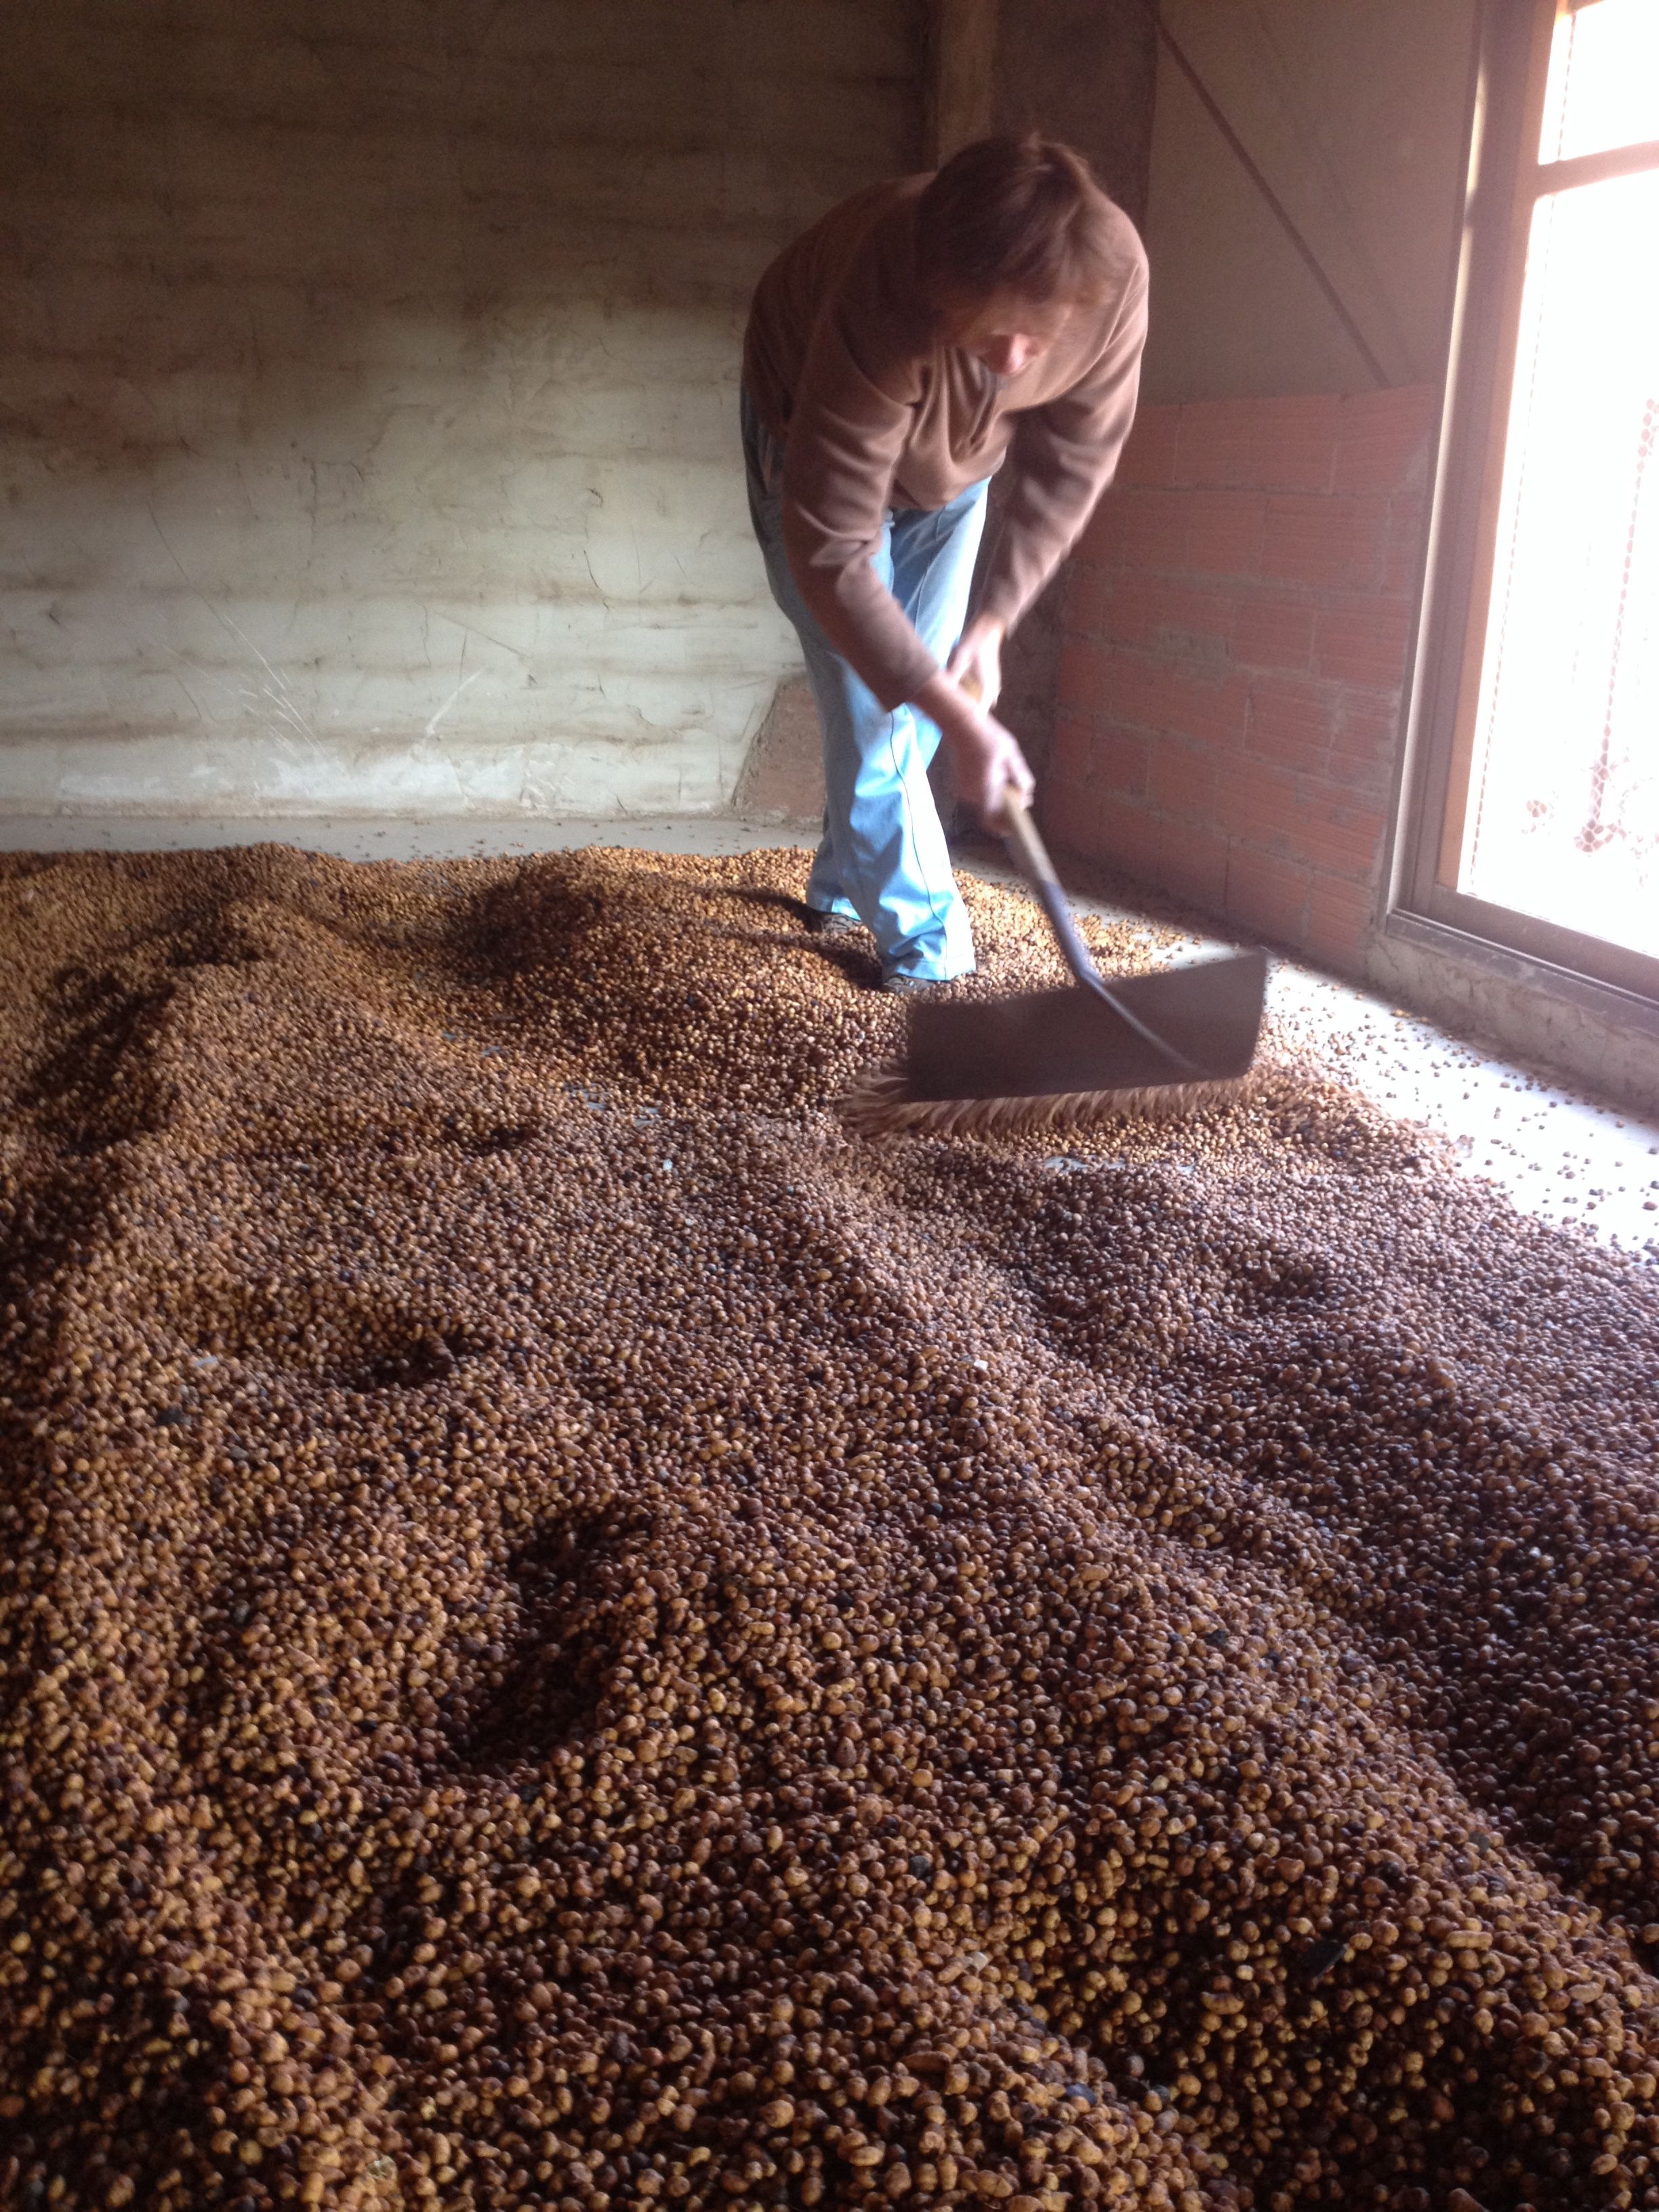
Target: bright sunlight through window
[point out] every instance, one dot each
(1562, 815)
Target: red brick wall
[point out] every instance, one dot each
(1236, 627)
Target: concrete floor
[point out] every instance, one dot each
(1553, 1152)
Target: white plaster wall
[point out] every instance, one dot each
(1357, 110)
(368, 393)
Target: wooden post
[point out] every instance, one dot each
(962, 73)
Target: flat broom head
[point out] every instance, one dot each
(1046, 1058)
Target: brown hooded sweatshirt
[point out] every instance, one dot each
(845, 368)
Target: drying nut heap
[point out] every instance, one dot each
(576, 1636)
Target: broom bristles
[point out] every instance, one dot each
(880, 1103)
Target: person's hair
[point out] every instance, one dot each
(1014, 215)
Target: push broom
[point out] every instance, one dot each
(1172, 1042)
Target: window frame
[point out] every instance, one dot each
(1505, 181)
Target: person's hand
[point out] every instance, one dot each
(985, 754)
(976, 664)
(989, 764)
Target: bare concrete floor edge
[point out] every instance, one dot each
(1553, 1152)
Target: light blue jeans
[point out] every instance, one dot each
(883, 857)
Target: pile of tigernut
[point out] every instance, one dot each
(575, 1635)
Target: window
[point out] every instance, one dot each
(1536, 824)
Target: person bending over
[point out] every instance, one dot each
(918, 336)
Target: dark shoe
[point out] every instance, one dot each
(832, 923)
(912, 987)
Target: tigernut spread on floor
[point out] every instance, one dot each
(575, 1635)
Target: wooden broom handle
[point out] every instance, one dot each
(1030, 857)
